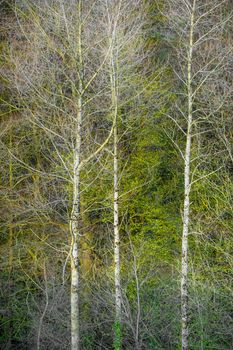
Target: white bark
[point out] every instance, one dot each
(116, 231)
(74, 224)
(124, 25)
(75, 214)
(114, 91)
(116, 199)
(187, 183)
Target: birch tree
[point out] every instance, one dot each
(115, 105)
(184, 264)
(124, 27)
(59, 80)
(198, 26)
(113, 17)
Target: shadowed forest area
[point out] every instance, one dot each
(116, 158)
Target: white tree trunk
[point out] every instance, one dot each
(116, 232)
(74, 224)
(114, 90)
(75, 214)
(184, 276)
(187, 184)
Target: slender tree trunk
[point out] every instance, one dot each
(114, 88)
(137, 339)
(11, 253)
(75, 214)
(116, 231)
(187, 184)
(75, 226)
(10, 262)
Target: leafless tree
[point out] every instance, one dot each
(124, 30)
(78, 63)
(196, 29)
(58, 74)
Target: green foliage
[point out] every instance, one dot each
(154, 192)
(38, 204)
(88, 341)
(14, 322)
(117, 335)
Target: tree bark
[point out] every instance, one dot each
(75, 214)
(74, 224)
(114, 90)
(116, 232)
(11, 252)
(187, 184)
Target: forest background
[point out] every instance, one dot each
(129, 75)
